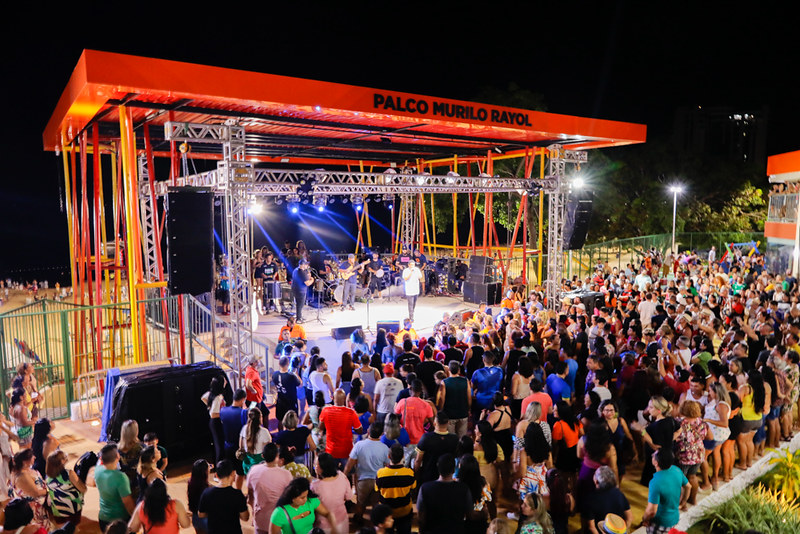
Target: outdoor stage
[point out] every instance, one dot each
(428, 312)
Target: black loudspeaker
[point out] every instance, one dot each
(480, 263)
(482, 292)
(477, 278)
(343, 332)
(183, 428)
(389, 326)
(578, 216)
(190, 240)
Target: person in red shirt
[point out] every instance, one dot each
(254, 387)
(539, 396)
(414, 412)
(338, 422)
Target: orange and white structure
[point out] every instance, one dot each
(782, 227)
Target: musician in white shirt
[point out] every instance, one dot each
(412, 277)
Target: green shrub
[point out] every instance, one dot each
(756, 508)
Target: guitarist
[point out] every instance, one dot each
(349, 271)
(377, 271)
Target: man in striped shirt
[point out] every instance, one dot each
(395, 484)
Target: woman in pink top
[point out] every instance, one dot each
(157, 513)
(333, 490)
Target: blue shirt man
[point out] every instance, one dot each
(486, 381)
(557, 386)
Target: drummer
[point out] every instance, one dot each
(377, 271)
(269, 273)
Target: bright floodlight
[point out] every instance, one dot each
(578, 182)
(255, 209)
(676, 189)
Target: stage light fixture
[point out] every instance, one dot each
(255, 208)
(357, 201)
(294, 207)
(319, 202)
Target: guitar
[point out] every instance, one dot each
(347, 273)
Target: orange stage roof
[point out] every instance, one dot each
(788, 162)
(306, 121)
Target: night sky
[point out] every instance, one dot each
(627, 61)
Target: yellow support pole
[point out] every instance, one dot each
(128, 155)
(70, 215)
(433, 224)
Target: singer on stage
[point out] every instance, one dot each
(412, 277)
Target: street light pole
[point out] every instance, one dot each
(675, 190)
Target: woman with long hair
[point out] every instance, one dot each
(357, 392)
(536, 519)
(567, 431)
(27, 484)
(22, 417)
(198, 483)
(537, 454)
(595, 449)
(716, 414)
(394, 432)
(43, 443)
(358, 342)
(521, 385)
(500, 419)
(252, 439)
(469, 473)
(297, 509)
(591, 412)
(158, 513)
(311, 420)
(215, 402)
(334, 490)
(735, 423)
(345, 372)
(147, 471)
(489, 454)
(754, 405)
(533, 415)
(620, 433)
(392, 350)
(130, 448)
(380, 343)
(65, 490)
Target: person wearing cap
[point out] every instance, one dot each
(301, 279)
(386, 390)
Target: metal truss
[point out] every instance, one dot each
(557, 205)
(234, 178)
(147, 217)
(280, 182)
(408, 218)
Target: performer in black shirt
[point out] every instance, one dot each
(377, 271)
(301, 279)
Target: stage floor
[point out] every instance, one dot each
(428, 312)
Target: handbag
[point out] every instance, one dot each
(289, 518)
(241, 454)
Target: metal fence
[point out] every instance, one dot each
(619, 252)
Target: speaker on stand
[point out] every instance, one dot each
(578, 217)
(190, 240)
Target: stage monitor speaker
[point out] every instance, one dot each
(389, 326)
(190, 240)
(343, 332)
(578, 216)
(480, 263)
(483, 292)
(478, 278)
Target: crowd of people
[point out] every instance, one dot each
(675, 371)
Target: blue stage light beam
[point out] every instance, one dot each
(220, 243)
(315, 234)
(275, 248)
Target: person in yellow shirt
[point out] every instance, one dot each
(408, 329)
